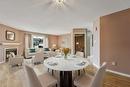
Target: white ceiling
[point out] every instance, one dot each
(44, 16)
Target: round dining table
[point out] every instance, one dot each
(66, 66)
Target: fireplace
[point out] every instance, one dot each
(9, 51)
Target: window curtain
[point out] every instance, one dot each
(45, 41)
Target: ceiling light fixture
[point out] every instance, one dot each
(60, 2)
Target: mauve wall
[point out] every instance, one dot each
(60, 40)
(115, 40)
(52, 39)
(64, 40)
(19, 37)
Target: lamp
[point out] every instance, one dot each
(77, 43)
(54, 46)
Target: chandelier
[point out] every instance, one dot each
(60, 2)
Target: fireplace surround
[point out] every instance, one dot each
(9, 52)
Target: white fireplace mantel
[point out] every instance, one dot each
(7, 45)
(10, 44)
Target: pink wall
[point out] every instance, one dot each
(19, 37)
(60, 40)
(115, 40)
(52, 39)
(64, 40)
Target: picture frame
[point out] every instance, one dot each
(10, 35)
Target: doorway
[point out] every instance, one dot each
(79, 42)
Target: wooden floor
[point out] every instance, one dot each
(10, 78)
(114, 80)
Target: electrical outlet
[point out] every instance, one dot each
(114, 63)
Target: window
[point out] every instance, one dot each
(39, 41)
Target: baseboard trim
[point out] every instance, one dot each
(115, 72)
(119, 73)
(2, 62)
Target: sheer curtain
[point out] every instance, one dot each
(45, 44)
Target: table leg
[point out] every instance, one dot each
(61, 79)
(79, 72)
(65, 78)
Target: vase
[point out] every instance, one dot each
(65, 56)
(65, 51)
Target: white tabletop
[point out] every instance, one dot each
(69, 64)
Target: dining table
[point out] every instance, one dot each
(66, 66)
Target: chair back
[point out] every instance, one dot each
(80, 54)
(32, 78)
(98, 79)
(52, 54)
(39, 54)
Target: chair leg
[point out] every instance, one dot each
(78, 72)
(48, 69)
(56, 85)
(52, 72)
(84, 71)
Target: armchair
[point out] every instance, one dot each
(15, 60)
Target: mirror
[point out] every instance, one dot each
(79, 42)
(82, 41)
(10, 35)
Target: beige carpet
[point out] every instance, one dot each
(14, 76)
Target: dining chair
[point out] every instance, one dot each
(79, 54)
(90, 81)
(39, 57)
(44, 80)
(52, 54)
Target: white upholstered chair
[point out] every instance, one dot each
(44, 80)
(52, 54)
(39, 57)
(15, 60)
(89, 81)
(79, 54)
